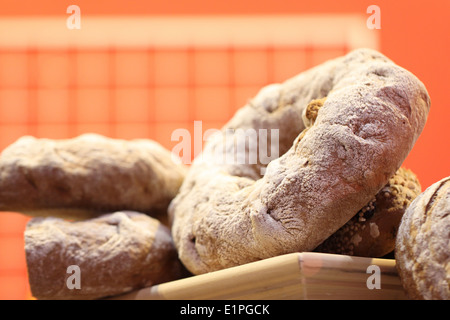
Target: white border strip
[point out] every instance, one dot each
(185, 31)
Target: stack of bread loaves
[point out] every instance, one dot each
(105, 201)
(137, 218)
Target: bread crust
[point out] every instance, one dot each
(115, 253)
(422, 250)
(86, 176)
(372, 231)
(226, 214)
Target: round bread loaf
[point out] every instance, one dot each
(226, 213)
(100, 257)
(422, 250)
(373, 230)
(86, 176)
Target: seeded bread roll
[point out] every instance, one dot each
(422, 250)
(227, 214)
(373, 230)
(115, 253)
(86, 176)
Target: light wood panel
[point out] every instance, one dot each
(306, 275)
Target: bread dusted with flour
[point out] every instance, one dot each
(422, 250)
(227, 214)
(88, 175)
(114, 253)
(373, 230)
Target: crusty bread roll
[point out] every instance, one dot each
(115, 253)
(227, 214)
(422, 250)
(88, 175)
(373, 230)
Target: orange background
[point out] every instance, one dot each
(415, 34)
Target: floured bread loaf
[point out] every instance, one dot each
(114, 253)
(87, 175)
(227, 214)
(373, 230)
(422, 250)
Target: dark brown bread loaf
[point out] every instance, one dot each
(115, 253)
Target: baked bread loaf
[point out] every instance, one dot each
(373, 230)
(115, 253)
(86, 176)
(226, 213)
(422, 250)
